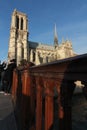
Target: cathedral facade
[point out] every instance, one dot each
(21, 48)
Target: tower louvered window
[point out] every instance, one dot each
(21, 23)
(17, 22)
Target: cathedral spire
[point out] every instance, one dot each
(55, 37)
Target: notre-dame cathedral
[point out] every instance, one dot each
(21, 48)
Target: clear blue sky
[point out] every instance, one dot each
(70, 17)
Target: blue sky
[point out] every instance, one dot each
(70, 17)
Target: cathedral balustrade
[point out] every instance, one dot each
(46, 92)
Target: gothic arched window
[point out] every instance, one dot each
(21, 23)
(22, 51)
(17, 22)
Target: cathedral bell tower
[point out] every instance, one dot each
(18, 42)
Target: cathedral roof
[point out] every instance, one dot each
(40, 45)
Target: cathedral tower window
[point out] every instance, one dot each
(17, 22)
(21, 23)
(22, 53)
